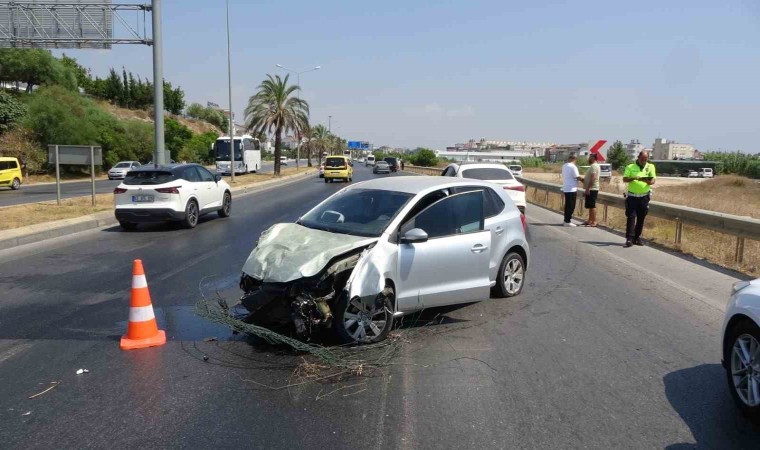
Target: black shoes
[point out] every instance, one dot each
(638, 242)
(631, 243)
(628, 244)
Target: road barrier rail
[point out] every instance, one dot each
(739, 226)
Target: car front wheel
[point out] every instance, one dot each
(226, 205)
(16, 185)
(511, 276)
(365, 322)
(743, 368)
(191, 215)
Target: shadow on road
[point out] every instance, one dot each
(700, 396)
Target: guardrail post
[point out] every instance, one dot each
(604, 215)
(739, 257)
(679, 231)
(546, 198)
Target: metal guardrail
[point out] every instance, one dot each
(739, 226)
(434, 171)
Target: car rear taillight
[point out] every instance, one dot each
(524, 223)
(119, 190)
(520, 188)
(169, 190)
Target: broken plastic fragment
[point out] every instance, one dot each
(81, 371)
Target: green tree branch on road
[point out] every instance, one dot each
(275, 108)
(617, 156)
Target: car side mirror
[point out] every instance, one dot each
(217, 177)
(414, 236)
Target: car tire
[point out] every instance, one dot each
(191, 215)
(381, 311)
(327, 180)
(511, 276)
(226, 206)
(16, 184)
(127, 226)
(747, 332)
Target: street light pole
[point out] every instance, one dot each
(159, 155)
(229, 86)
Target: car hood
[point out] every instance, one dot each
(288, 251)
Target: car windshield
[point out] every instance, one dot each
(222, 150)
(335, 162)
(488, 173)
(359, 212)
(148, 177)
(122, 165)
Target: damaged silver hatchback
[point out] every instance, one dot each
(380, 249)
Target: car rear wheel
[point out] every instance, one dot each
(327, 180)
(743, 368)
(128, 226)
(191, 215)
(226, 205)
(16, 184)
(511, 276)
(367, 322)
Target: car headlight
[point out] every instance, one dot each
(738, 286)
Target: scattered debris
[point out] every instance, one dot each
(53, 383)
(205, 358)
(26, 413)
(210, 339)
(81, 371)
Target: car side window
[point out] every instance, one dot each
(456, 214)
(205, 174)
(191, 174)
(492, 203)
(5, 165)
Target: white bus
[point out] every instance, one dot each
(246, 161)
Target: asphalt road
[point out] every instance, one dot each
(601, 350)
(34, 193)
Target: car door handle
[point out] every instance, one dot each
(498, 230)
(478, 248)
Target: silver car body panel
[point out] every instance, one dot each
(288, 251)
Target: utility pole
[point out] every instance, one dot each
(159, 156)
(229, 85)
(329, 124)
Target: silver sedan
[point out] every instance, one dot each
(383, 248)
(381, 167)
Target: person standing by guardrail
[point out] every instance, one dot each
(570, 178)
(591, 189)
(640, 176)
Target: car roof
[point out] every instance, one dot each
(483, 166)
(8, 158)
(164, 167)
(416, 184)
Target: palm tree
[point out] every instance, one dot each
(321, 138)
(275, 108)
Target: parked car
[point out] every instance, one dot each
(493, 172)
(370, 161)
(120, 169)
(338, 168)
(705, 172)
(10, 173)
(284, 160)
(392, 163)
(322, 170)
(516, 169)
(170, 193)
(605, 172)
(741, 347)
(381, 167)
(690, 173)
(383, 248)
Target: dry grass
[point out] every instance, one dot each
(34, 213)
(712, 246)
(48, 178)
(198, 126)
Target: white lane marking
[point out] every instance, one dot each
(141, 313)
(139, 281)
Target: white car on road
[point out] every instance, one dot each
(491, 172)
(741, 347)
(120, 169)
(171, 193)
(383, 248)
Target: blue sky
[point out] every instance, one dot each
(433, 73)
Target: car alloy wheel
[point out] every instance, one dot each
(367, 322)
(745, 369)
(226, 205)
(191, 214)
(16, 184)
(514, 274)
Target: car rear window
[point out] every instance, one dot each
(488, 173)
(390, 161)
(5, 165)
(148, 177)
(122, 165)
(604, 167)
(517, 168)
(335, 162)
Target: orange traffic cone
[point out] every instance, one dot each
(142, 330)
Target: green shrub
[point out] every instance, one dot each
(11, 111)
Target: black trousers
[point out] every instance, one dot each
(570, 205)
(636, 209)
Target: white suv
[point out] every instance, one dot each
(171, 193)
(492, 172)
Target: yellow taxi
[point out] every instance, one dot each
(10, 173)
(338, 168)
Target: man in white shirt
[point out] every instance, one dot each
(570, 178)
